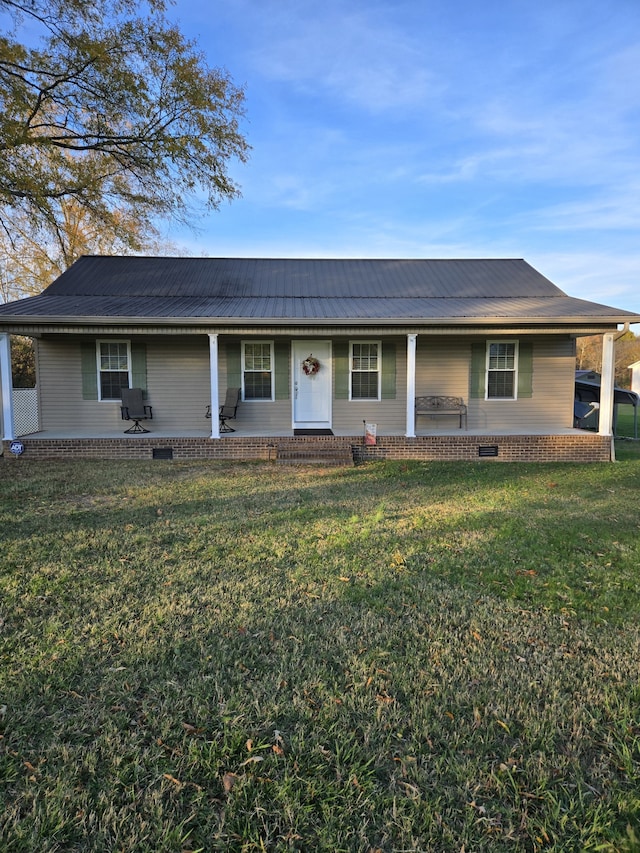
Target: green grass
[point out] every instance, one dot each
(626, 426)
(396, 657)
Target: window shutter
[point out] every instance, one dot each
(89, 368)
(139, 366)
(388, 378)
(281, 351)
(525, 369)
(478, 370)
(341, 370)
(234, 365)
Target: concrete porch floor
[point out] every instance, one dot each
(267, 433)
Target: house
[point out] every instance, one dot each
(496, 334)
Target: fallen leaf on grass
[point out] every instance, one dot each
(228, 781)
(252, 760)
(191, 730)
(410, 790)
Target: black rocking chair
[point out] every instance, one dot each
(228, 409)
(134, 409)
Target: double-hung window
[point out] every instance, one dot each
(364, 369)
(502, 370)
(114, 368)
(257, 370)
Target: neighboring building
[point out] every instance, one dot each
(494, 333)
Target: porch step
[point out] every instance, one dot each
(309, 451)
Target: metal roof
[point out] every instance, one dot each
(260, 290)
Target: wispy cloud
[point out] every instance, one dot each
(356, 55)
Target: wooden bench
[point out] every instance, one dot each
(435, 405)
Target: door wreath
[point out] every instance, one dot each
(310, 365)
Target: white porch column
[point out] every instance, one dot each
(607, 382)
(411, 386)
(6, 386)
(213, 379)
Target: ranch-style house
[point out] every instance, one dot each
(421, 359)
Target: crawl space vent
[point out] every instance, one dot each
(162, 452)
(488, 450)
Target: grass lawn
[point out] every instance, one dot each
(395, 657)
(626, 425)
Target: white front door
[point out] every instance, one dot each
(311, 391)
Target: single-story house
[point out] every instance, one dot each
(322, 352)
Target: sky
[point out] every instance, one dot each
(434, 129)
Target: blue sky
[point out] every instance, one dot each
(436, 129)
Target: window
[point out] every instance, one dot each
(114, 368)
(365, 370)
(257, 370)
(502, 364)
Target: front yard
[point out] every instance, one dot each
(395, 657)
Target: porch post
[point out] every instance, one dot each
(6, 387)
(213, 379)
(411, 386)
(607, 382)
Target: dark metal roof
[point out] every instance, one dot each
(305, 290)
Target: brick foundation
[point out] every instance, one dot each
(574, 447)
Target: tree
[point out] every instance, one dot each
(627, 351)
(28, 263)
(23, 362)
(110, 116)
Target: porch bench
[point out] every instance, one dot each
(437, 405)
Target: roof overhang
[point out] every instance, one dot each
(575, 326)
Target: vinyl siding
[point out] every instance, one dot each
(389, 414)
(178, 383)
(550, 405)
(177, 387)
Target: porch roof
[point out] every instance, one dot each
(261, 291)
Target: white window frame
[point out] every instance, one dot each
(353, 399)
(244, 370)
(488, 370)
(100, 371)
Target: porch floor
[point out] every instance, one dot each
(267, 433)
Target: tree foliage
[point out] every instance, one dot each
(108, 115)
(627, 351)
(23, 362)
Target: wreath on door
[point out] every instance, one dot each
(310, 365)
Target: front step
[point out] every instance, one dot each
(310, 451)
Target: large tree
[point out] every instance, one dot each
(108, 114)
